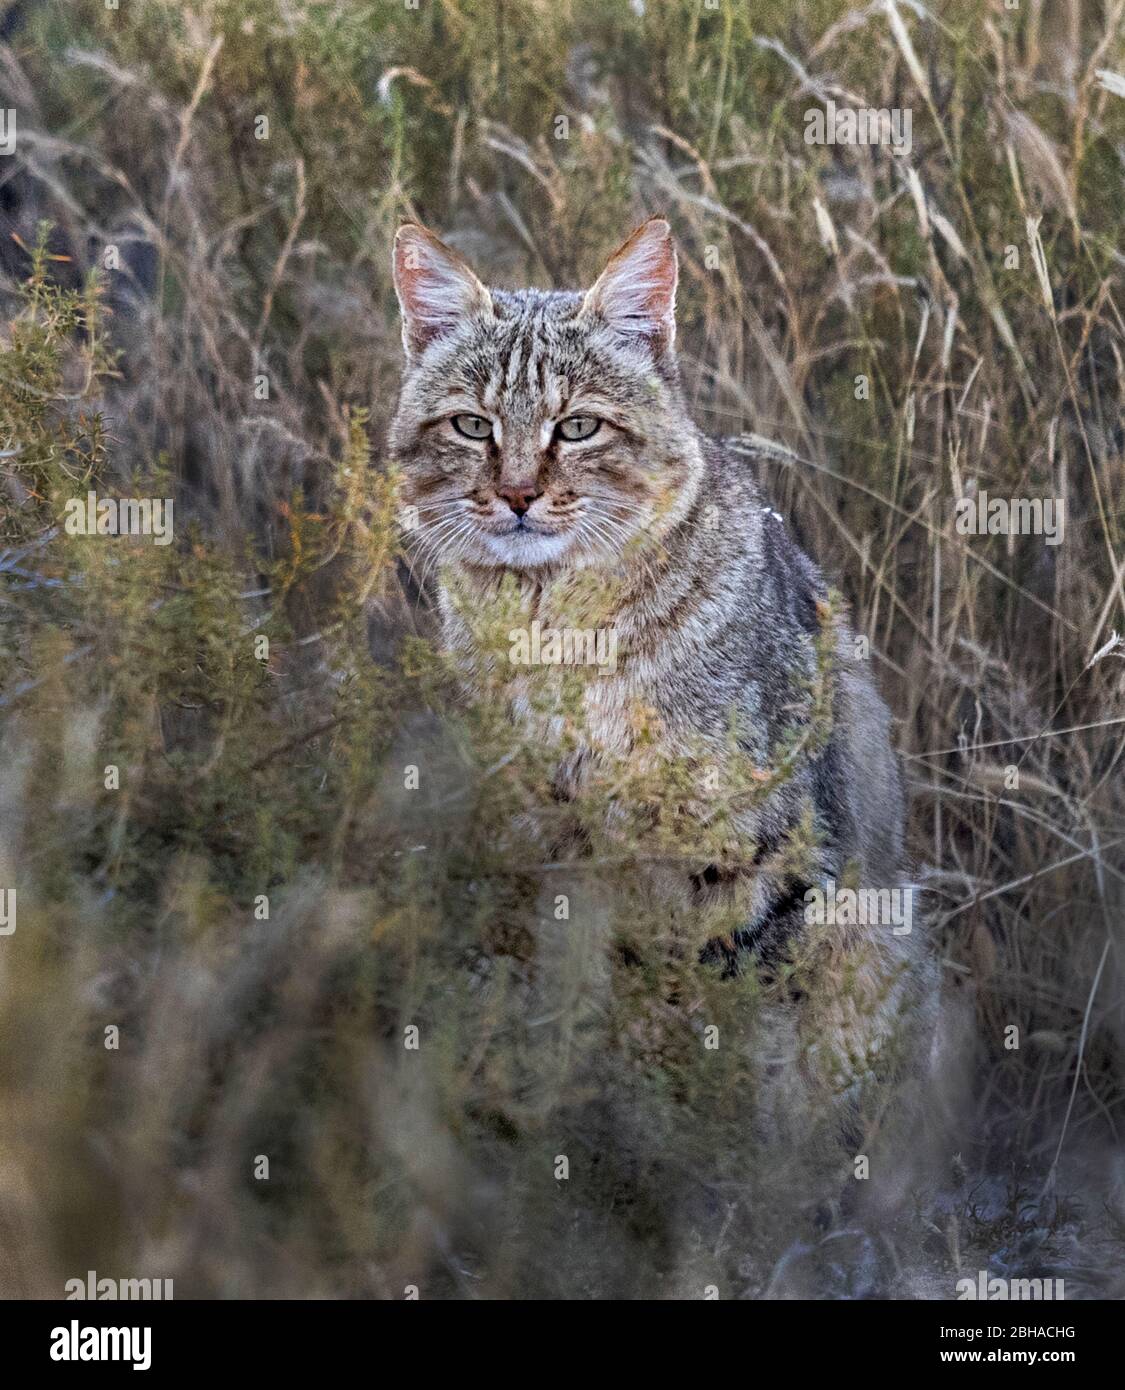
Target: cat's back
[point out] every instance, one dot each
(775, 624)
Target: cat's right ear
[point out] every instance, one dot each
(436, 288)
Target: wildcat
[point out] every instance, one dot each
(543, 436)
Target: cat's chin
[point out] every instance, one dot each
(525, 550)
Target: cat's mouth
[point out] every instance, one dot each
(525, 544)
(536, 538)
(525, 528)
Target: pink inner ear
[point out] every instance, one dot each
(428, 298)
(636, 293)
(436, 289)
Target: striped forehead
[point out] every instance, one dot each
(528, 373)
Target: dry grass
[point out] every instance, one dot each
(803, 267)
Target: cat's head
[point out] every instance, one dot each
(541, 430)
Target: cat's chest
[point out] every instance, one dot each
(601, 690)
(600, 720)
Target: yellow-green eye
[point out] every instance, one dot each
(578, 427)
(472, 426)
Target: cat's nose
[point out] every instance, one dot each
(519, 496)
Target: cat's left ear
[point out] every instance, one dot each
(636, 292)
(436, 287)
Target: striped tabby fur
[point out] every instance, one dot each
(715, 607)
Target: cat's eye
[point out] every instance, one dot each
(472, 426)
(576, 427)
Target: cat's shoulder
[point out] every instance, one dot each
(735, 465)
